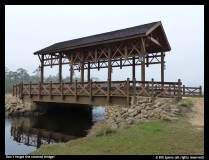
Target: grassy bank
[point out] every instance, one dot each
(150, 138)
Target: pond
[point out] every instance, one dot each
(25, 134)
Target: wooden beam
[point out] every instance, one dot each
(71, 67)
(143, 63)
(162, 67)
(42, 69)
(92, 44)
(155, 41)
(82, 67)
(109, 63)
(88, 71)
(60, 67)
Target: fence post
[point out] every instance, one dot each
(13, 90)
(90, 90)
(179, 89)
(200, 90)
(39, 90)
(61, 83)
(108, 90)
(30, 90)
(134, 85)
(152, 90)
(16, 90)
(127, 90)
(50, 89)
(76, 90)
(183, 90)
(20, 90)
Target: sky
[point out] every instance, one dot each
(29, 28)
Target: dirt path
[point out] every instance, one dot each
(197, 114)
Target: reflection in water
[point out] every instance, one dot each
(49, 129)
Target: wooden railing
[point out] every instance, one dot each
(108, 88)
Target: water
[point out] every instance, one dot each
(25, 134)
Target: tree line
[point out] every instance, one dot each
(22, 75)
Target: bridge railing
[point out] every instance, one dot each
(108, 89)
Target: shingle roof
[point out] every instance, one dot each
(137, 30)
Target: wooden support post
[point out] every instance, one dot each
(134, 86)
(200, 90)
(42, 69)
(108, 90)
(76, 90)
(71, 68)
(50, 89)
(183, 90)
(88, 78)
(98, 65)
(120, 63)
(162, 68)
(82, 67)
(39, 90)
(90, 90)
(30, 90)
(62, 97)
(174, 90)
(133, 68)
(127, 90)
(143, 52)
(147, 60)
(109, 63)
(152, 90)
(179, 89)
(71, 74)
(60, 67)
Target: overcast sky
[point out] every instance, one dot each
(29, 28)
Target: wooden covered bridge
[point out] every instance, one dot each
(142, 45)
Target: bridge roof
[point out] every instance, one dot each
(127, 33)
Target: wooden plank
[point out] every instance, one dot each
(155, 41)
(153, 90)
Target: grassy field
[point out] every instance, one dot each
(150, 138)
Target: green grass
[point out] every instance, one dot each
(105, 130)
(152, 138)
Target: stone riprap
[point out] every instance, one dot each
(16, 106)
(119, 116)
